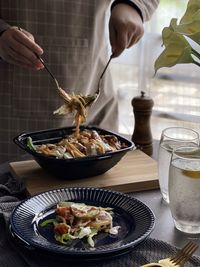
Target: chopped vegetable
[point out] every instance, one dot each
(30, 143)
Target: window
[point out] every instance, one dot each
(175, 91)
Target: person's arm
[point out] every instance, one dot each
(144, 7)
(126, 22)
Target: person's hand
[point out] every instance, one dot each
(18, 47)
(125, 28)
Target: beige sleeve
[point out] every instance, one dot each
(147, 7)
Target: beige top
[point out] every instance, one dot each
(70, 32)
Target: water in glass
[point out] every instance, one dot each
(184, 192)
(170, 139)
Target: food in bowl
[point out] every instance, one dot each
(87, 143)
(78, 221)
(73, 168)
(75, 152)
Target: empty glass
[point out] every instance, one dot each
(184, 189)
(171, 138)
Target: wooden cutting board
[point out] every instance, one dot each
(135, 172)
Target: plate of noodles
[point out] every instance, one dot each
(83, 222)
(64, 153)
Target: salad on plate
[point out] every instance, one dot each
(74, 221)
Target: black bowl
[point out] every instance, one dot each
(76, 167)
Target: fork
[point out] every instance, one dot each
(179, 259)
(61, 92)
(100, 79)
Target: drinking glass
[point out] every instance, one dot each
(184, 189)
(170, 138)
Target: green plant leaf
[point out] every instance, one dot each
(189, 23)
(169, 35)
(172, 56)
(177, 49)
(191, 12)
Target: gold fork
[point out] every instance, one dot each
(179, 259)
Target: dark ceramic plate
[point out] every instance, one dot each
(134, 217)
(77, 167)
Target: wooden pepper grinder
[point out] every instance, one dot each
(142, 109)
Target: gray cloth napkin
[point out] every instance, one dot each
(12, 254)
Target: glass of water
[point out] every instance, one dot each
(171, 138)
(184, 189)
